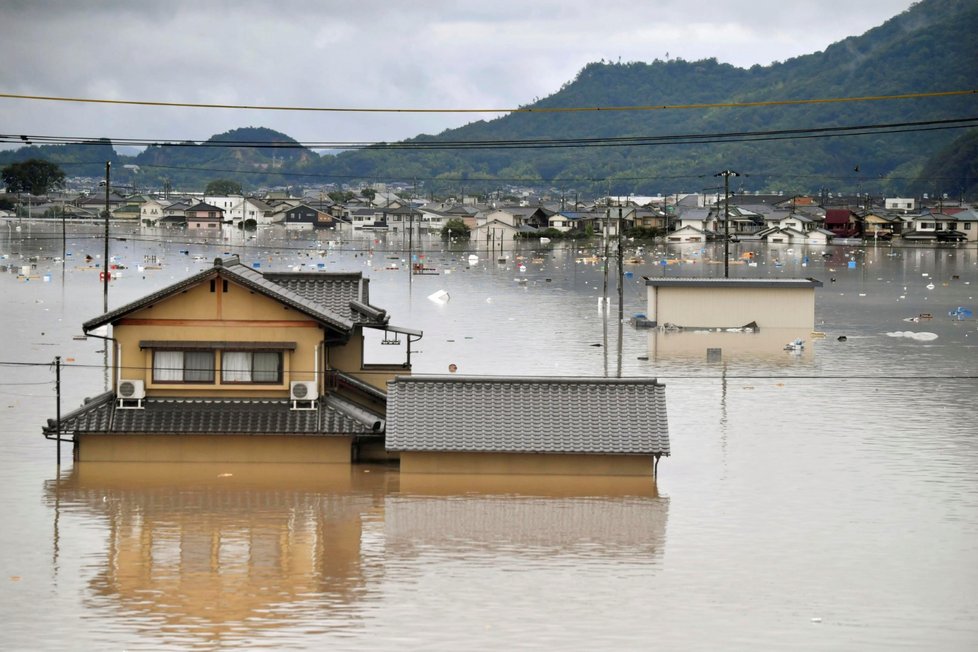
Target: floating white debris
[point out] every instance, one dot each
(473, 258)
(439, 297)
(923, 336)
(795, 345)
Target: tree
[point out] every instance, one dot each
(369, 193)
(34, 176)
(454, 227)
(223, 188)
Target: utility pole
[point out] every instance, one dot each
(604, 292)
(621, 271)
(726, 174)
(57, 392)
(105, 256)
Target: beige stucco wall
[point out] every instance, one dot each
(526, 464)
(729, 307)
(235, 315)
(214, 448)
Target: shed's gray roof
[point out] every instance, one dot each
(327, 298)
(527, 415)
(211, 416)
(734, 282)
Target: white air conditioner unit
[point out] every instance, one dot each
(130, 394)
(303, 390)
(131, 389)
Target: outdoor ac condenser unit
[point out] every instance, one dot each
(302, 390)
(132, 389)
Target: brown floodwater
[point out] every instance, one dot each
(817, 499)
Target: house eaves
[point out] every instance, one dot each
(239, 273)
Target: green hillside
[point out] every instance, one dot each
(924, 49)
(928, 48)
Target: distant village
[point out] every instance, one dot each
(677, 218)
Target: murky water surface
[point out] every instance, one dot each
(820, 499)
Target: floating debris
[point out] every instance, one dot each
(923, 336)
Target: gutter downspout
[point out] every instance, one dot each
(117, 352)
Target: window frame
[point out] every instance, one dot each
(185, 369)
(280, 372)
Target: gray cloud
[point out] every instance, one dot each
(366, 54)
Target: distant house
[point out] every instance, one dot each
(879, 225)
(688, 234)
(255, 212)
(541, 426)
(233, 365)
(700, 220)
(905, 204)
(306, 217)
(785, 235)
(204, 216)
(967, 223)
(152, 210)
(495, 233)
(574, 221)
(843, 223)
(402, 219)
(231, 205)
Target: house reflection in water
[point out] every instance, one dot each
(210, 556)
(215, 550)
(770, 345)
(527, 515)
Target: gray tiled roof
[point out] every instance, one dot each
(343, 294)
(326, 297)
(527, 415)
(209, 416)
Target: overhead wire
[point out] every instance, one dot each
(520, 109)
(529, 143)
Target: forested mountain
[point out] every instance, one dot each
(928, 48)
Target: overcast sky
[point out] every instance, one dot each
(363, 54)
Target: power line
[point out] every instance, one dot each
(531, 143)
(526, 109)
(714, 376)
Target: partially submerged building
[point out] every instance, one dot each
(234, 365)
(545, 426)
(697, 303)
(717, 317)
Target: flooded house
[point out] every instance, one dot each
(580, 426)
(232, 365)
(690, 316)
(696, 303)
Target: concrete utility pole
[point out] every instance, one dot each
(105, 257)
(726, 174)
